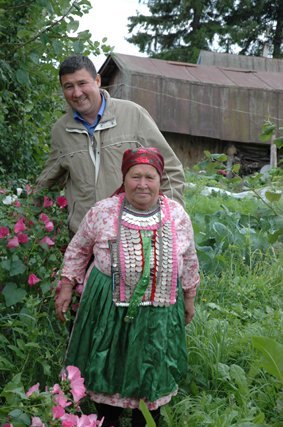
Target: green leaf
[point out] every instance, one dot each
(272, 351)
(13, 294)
(267, 131)
(17, 267)
(19, 417)
(273, 196)
(22, 77)
(278, 142)
(73, 26)
(144, 409)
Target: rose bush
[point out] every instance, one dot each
(33, 238)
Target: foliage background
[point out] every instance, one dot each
(35, 35)
(177, 30)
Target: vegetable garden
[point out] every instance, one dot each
(235, 364)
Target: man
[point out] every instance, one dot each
(88, 142)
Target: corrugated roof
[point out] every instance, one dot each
(198, 73)
(215, 102)
(257, 63)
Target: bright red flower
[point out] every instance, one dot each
(62, 202)
(19, 226)
(47, 203)
(33, 279)
(4, 231)
(13, 243)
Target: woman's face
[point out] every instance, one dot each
(142, 184)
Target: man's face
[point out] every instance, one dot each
(81, 91)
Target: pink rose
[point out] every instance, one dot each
(4, 231)
(33, 279)
(49, 226)
(13, 243)
(47, 241)
(23, 238)
(43, 217)
(62, 202)
(19, 226)
(47, 202)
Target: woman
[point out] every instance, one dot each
(129, 335)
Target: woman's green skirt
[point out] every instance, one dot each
(142, 359)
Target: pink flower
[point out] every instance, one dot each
(36, 422)
(56, 389)
(49, 226)
(4, 231)
(77, 383)
(62, 202)
(17, 203)
(75, 307)
(32, 390)
(69, 420)
(47, 202)
(79, 289)
(88, 421)
(43, 217)
(13, 243)
(6, 425)
(19, 226)
(23, 238)
(47, 241)
(33, 279)
(28, 189)
(59, 398)
(58, 412)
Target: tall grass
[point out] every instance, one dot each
(240, 297)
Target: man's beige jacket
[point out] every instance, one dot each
(89, 168)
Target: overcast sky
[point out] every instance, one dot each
(108, 18)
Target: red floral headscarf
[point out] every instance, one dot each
(141, 156)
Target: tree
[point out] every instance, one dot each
(34, 36)
(178, 29)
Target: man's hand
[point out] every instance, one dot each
(63, 301)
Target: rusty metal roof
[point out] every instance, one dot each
(228, 104)
(197, 73)
(257, 63)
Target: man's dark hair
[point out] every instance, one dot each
(75, 63)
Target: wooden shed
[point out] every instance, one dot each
(201, 107)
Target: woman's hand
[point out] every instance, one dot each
(63, 300)
(189, 309)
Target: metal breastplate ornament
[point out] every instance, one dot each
(144, 262)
